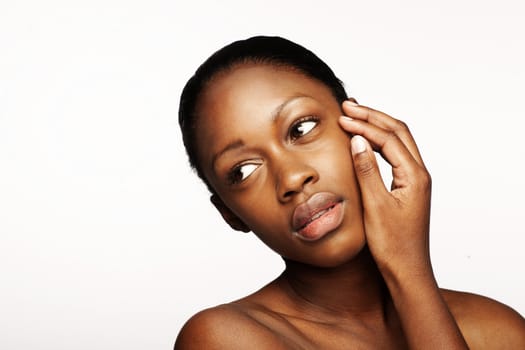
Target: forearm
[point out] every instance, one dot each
(425, 317)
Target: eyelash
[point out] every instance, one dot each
(232, 177)
(310, 118)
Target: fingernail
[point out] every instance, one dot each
(350, 103)
(344, 117)
(358, 144)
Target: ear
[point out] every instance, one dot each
(228, 216)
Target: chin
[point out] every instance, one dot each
(336, 251)
(340, 257)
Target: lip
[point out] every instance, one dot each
(317, 216)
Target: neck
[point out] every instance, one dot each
(355, 287)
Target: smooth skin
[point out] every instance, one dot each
(368, 284)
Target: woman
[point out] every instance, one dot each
(287, 155)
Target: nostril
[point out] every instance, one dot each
(289, 194)
(308, 180)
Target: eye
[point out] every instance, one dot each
(303, 126)
(241, 172)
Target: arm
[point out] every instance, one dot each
(397, 225)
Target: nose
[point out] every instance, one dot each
(293, 177)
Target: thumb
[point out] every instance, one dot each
(367, 171)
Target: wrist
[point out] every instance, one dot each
(413, 274)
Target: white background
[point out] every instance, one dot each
(108, 241)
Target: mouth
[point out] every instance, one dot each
(319, 215)
(316, 216)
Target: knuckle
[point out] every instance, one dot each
(400, 127)
(368, 112)
(391, 136)
(423, 180)
(364, 167)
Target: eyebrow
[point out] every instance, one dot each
(231, 146)
(278, 110)
(276, 113)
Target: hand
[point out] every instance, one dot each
(397, 224)
(396, 221)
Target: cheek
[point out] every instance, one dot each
(336, 160)
(272, 228)
(260, 210)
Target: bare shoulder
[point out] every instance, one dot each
(486, 323)
(226, 326)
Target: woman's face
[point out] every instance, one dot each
(271, 147)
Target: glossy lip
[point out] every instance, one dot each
(305, 213)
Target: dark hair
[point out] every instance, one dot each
(275, 51)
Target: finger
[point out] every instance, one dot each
(369, 114)
(387, 143)
(367, 172)
(384, 121)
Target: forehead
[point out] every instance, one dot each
(253, 88)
